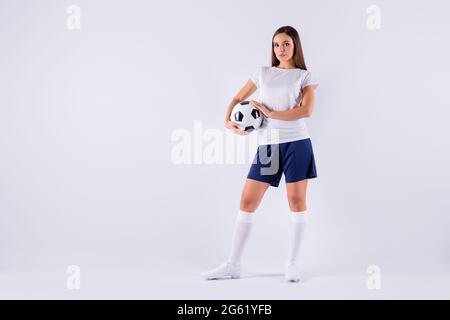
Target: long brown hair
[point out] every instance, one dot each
(298, 58)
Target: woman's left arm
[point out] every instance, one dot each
(303, 111)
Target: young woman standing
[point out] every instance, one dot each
(284, 146)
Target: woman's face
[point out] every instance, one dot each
(283, 46)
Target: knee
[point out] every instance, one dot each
(297, 203)
(248, 204)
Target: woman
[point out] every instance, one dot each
(284, 146)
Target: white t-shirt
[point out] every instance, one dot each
(280, 90)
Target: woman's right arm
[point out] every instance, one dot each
(247, 90)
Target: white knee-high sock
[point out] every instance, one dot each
(243, 225)
(297, 231)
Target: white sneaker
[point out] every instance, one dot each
(225, 270)
(292, 273)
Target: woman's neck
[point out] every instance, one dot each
(286, 66)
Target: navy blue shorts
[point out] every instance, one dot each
(295, 159)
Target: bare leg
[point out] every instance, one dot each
(296, 193)
(252, 194)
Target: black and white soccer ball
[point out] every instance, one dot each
(246, 116)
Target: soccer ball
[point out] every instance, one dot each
(246, 116)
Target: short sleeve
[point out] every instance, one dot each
(256, 77)
(309, 80)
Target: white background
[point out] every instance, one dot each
(86, 118)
